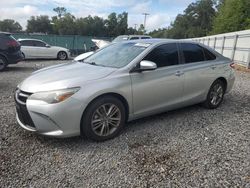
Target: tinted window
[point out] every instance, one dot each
(164, 55)
(208, 55)
(192, 53)
(145, 37)
(39, 43)
(26, 43)
(134, 38)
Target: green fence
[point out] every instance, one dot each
(75, 43)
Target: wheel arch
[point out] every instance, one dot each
(4, 56)
(113, 94)
(224, 80)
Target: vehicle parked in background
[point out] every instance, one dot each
(121, 82)
(102, 43)
(9, 50)
(38, 49)
(130, 37)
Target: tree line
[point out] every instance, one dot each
(200, 18)
(208, 17)
(67, 24)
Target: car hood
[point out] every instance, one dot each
(83, 56)
(63, 76)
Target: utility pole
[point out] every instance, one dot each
(145, 19)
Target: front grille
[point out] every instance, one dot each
(21, 108)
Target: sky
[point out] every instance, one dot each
(162, 12)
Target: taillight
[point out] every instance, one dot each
(12, 43)
(232, 65)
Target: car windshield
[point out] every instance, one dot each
(120, 38)
(117, 55)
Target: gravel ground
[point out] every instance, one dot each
(190, 147)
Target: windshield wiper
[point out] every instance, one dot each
(93, 63)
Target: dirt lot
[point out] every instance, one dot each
(190, 147)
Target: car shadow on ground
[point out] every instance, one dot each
(129, 129)
(19, 69)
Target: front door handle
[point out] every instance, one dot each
(179, 73)
(213, 67)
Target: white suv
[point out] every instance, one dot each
(130, 37)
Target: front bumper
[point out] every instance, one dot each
(57, 120)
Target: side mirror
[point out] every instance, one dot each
(47, 46)
(147, 65)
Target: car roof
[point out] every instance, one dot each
(159, 40)
(133, 36)
(4, 33)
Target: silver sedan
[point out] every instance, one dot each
(95, 97)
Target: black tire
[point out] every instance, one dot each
(90, 113)
(23, 56)
(3, 63)
(210, 103)
(62, 55)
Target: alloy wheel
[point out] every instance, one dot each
(216, 95)
(62, 56)
(106, 119)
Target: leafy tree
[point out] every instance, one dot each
(39, 24)
(131, 31)
(233, 15)
(61, 11)
(9, 25)
(196, 21)
(64, 25)
(141, 30)
(117, 24)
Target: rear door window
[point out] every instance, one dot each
(145, 37)
(209, 55)
(134, 38)
(39, 44)
(26, 43)
(192, 53)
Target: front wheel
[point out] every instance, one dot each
(62, 55)
(104, 119)
(215, 95)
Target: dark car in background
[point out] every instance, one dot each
(9, 50)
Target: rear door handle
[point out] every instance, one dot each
(179, 73)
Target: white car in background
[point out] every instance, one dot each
(36, 49)
(102, 43)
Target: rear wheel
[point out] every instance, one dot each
(103, 119)
(3, 63)
(62, 55)
(215, 95)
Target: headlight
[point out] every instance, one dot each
(52, 97)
